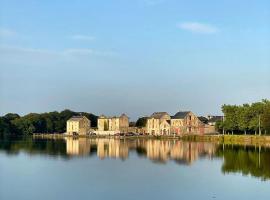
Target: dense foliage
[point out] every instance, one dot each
(141, 122)
(52, 122)
(247, 118)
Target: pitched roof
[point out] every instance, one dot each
(180, 115)
(76, 118)
(110, 117)
(124, 115)
(215, 119)
(158, 115)
(203, 119)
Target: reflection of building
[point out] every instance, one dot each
(160, 151)
(77, 146)
(112, 148)
(104, 147)
(113, 124)
(78, 125)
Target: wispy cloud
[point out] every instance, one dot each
(33, 56)
(82, 37)
(196, 27)
(4, 32)
(87, 52)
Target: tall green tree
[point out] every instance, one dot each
(243, 118)
(231, 118)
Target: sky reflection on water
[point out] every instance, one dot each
(120, 169)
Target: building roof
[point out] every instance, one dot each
(76, 118)
(203, 119)
(111, 117)
(124, 115)
(158, 115)
(215, 119)
(180, 115)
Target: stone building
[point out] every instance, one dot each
(182, 123)
(185, 122)
(78, 125)
(113, 124)
(212, 120)
(158, 124)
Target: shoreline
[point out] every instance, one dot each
(223, 139)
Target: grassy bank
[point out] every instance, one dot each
(230, 139)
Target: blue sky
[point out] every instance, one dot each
(137, 57)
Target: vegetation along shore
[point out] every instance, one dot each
(247, 123)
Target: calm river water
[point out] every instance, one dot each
(82, 168)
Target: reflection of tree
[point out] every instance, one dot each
(34, 146)
(159, 151)
(246, 160)
(253, 161)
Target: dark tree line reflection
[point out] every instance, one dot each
(248, 160)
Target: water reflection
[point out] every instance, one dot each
(247, 160)
(156, 150)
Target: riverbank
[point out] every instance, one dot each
(231, 139)
(226, 139)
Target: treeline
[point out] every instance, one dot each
(52, 122)
(246, 119)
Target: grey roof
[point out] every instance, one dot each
(124, 115)
(76, 118)
(110, 117)
(158, 115)
(215, 119)
(180, 115)
(203, 119)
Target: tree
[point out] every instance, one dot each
(266, 119)
(244, 118)
(231, 120)
(219, 126)
(11, 116)
(39, 123)
(256, 110)
(141, 122)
